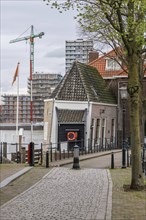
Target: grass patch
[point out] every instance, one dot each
(130, 204)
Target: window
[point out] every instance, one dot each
(97, 133)
(112, 130)
(92, 126)
(103, 128)
(112, 64)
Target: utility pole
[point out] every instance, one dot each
(31, 38)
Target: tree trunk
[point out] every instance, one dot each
(134, 90)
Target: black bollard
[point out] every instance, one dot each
(31, 154)
(1, 156)
(112, 161)
(123, 158)
(47, 159)
(76, 158)
(127, 157)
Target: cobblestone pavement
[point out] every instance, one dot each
(64, 194)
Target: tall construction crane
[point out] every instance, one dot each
(31, 38)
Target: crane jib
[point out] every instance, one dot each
(27, 38)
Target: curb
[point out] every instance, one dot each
(14, 176)
(109, 198)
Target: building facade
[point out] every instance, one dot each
(42, 87)
(116, 76)
(81, 110)
(77, 50)
(9, 109)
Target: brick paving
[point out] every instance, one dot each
(64, 194)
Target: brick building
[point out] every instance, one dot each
(115, 75)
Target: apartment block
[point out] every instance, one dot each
(9, 109)
(42, 86)
(77, 50)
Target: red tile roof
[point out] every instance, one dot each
(100, 65)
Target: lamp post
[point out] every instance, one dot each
(123, 93)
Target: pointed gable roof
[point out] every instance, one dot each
(83, 83)
(100, 65)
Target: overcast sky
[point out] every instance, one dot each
(16, 17)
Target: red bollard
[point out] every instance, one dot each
(28, 154)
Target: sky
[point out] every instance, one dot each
(17, 16)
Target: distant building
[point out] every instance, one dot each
(77, 50)
(42, 87)
(9, 109)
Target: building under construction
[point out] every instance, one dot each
(9, 109)
(43, 85)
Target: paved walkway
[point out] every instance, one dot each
(64, 194)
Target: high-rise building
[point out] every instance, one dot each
(42, 86)
(77, 50)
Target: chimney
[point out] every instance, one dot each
(93, 55)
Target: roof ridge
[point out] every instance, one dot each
(61, 85)
(63, 81)
(80, 72)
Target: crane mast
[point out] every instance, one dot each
(31, 38)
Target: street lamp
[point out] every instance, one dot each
(124, 94)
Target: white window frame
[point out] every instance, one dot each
(103, 125)
(114, 128)
(98, 131)
(112, 64)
